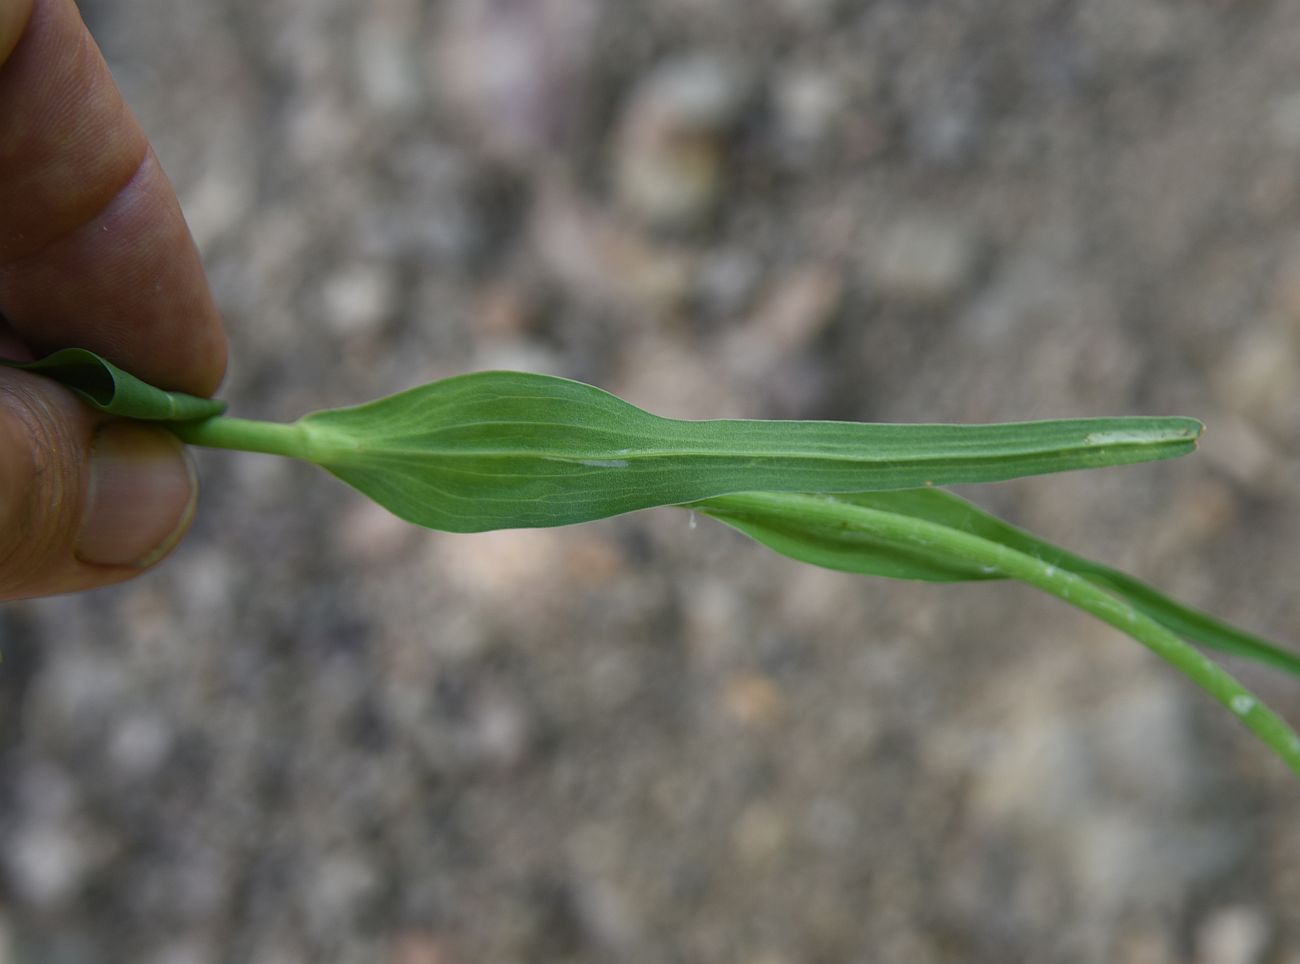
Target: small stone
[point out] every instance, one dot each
(924, 259)
(176, 952)
(608, 915)
(494, 565)
(1284, 121)
(601, 260)
(140, 744)
(1133, 30)
(504, 310)
(671, 147)
(753, 699)
(1244, 454)
(514, 72)
(760, 834)
(946, 133)
(47, 863)
(339, 886)
(1233, 935)
(809, 103)
(385, 56)
(371, 534)
(725, 283)
(221, 199)
(798, 308)
(501, 731)
(359, 298)
(420, 947)
(1258, 379)
(1286, 290)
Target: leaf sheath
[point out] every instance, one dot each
(104, 386)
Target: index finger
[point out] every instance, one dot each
(94, 250)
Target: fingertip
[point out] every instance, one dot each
(84, 502)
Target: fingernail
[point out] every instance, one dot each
(142, 494)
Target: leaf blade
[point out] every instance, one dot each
(777, 523)
(899, 529)
(512, 450)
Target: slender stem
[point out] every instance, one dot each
(245, 435)
(1065, 585)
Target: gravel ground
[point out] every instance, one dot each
(318, 734)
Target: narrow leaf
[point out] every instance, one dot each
(507, 450)
(106, 387)
(783, 523)
(899, 530)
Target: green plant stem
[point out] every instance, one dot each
(246, 435)
(1067, 586)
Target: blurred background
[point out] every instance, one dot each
(318, 734)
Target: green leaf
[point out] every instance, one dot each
(505, 450)
(910, 540)
(106, 387)
(835, 541)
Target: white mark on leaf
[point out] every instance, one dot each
(1241, 705)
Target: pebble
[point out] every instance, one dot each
(359, 298)
(798, 307)
(183, 951)
(370, 534)
(809, 103)
(760, 834)
(1285, 296)
(599, 260)
(1258, 379)
(946, 133)
(926, 259)
(1238, 934)
(338, 888)
(1124, 813)
(421, 947)
(385, 55)
(671, 148)
(139, 744)
(1284, 121)
(1136, 31)
(725, 282)
(1243, 453)
(47, 863)
(765, 352)
(514, 72)
(753, 700)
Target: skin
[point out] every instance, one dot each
(94, 252)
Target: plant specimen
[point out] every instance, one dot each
(497, 450)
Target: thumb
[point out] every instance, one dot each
(84, 501)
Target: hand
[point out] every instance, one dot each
(94, 252)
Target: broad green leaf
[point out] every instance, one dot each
(507, 450)
(783, 523)
(106, 387)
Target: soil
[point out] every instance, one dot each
(318, 734)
